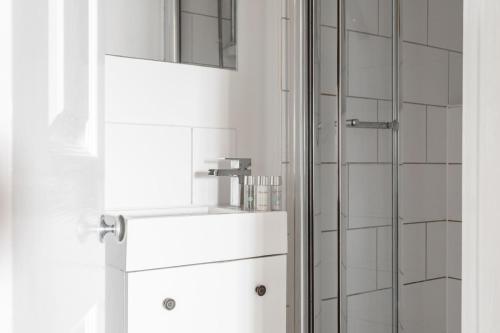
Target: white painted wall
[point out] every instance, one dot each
(165, 121)
(481, 179)
(6, 166)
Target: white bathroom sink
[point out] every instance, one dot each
(194, 235)
(178, 211)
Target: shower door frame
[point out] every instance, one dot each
(311, 91)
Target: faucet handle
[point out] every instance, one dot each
(243, 163)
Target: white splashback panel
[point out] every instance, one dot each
(144, 163)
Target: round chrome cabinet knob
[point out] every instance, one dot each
(261, 290)
(169, 304)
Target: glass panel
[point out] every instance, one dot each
(326, 168)
(367, 167)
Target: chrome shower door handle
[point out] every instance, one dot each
(356, 123)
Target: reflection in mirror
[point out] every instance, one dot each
(201, 32)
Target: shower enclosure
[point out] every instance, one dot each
(385, 88)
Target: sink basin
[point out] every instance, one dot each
(179, 211)
(193, 235)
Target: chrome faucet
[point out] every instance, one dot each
(243, 169)
(240, 167)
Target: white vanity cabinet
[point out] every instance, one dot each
(242, 289)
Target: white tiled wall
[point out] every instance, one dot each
(430, 188)
(370, 312)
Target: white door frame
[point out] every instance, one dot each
(481, 168)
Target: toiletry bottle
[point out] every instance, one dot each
(248, 193)
(263, 200)
(276, 193)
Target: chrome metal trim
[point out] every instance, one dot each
(233, 22)
(396, 48)
(313, 88)
(172, 47)
(219, 27)
(356, 123)
(341, 79)
(297, 191)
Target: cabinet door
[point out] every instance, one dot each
(218, 298)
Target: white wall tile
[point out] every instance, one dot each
(424, 75)
(317, 241)
(454, 249)
(414, 21)
(328, 196)
(284, 176)
(384, 257)
(436, 134)
(436, 250)
(454, 134)
(361, 143)
(208, 146)
(144, 163)
(285, 54)
(384, 135)
(370, 195)
(328, 129)
(453, 305)
(328, 12)
(413, 133)
(328, 265)
(454, 192)
(423, 307)
(455, 79)
(423, 192)
(362, 15)
(361, 263)
(370, 312)
(328, 54)
(317, 290)
(285, 125)
(370, 66)
(385, 18)
(446, 24)
(318, 190)
(413, 252)
(329, 316)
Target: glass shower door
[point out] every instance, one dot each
(357, 162)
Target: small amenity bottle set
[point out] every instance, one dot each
(262, 193)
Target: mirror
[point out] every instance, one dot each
(200, 32)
